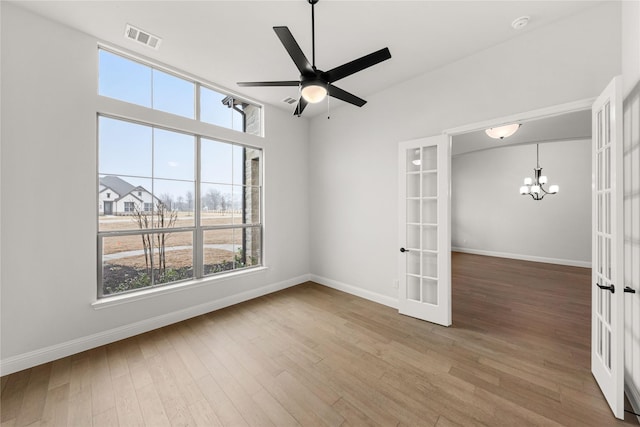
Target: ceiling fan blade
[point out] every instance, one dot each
(292, 46)
(356, 65)
(302, 103)
(345, 96)
(282, 83)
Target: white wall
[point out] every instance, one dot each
(353, 168)
(631, 90)
(490, 217)
(49, 88)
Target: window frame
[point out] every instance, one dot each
(134, 113)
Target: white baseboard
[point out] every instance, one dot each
(560, 261)
(54, 352)
(633, 394)
(354, 290)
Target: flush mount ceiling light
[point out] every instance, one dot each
(316, 84)
(503, 131)
(535, 187)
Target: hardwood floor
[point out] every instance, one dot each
(517, 355)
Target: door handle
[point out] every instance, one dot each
(404, 250)
(609, 288)
(629, 290)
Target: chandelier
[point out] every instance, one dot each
(535, 187)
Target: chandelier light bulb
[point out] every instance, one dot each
(535, 189)
(543, 179)
(528, 181)
(416, 162)
(524, 189)
(554, 189)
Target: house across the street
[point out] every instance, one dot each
(118, 197)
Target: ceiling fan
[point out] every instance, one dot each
(316, 84)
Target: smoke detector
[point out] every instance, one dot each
(520, 23)
(142, 37)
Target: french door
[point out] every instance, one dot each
(607, 301)
(424, 256)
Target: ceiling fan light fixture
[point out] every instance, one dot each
(313, 91)
(502, 132)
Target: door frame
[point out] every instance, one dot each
(523, 117)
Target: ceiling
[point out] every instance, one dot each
(570, 126)
(229, 41)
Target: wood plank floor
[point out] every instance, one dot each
(517, 355)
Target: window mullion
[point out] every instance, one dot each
(198, 241)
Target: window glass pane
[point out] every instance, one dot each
(212, 110)
(173, 94)
(216, 162)
(253, 119)
(252, 254)
(253, 176)
(123, 79)
(238, 164)
(126, 263)
(237, 120)
(172, 257)
(173, 155)
(123, 203)
(236, 203)
(124, 148)
(217, 204)
(173, 210)
(251, 206)
(219, 250)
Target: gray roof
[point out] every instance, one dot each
(119, 185)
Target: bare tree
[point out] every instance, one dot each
(165, 218)
(144, 220)
(189, 197)
(213, 199)
(162, 217)
(167, 199)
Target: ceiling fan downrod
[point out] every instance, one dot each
(313, 33)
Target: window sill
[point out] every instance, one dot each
(167, 289)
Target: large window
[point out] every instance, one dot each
(172, 205)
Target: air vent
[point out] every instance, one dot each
(142, 37)
(289, 100)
